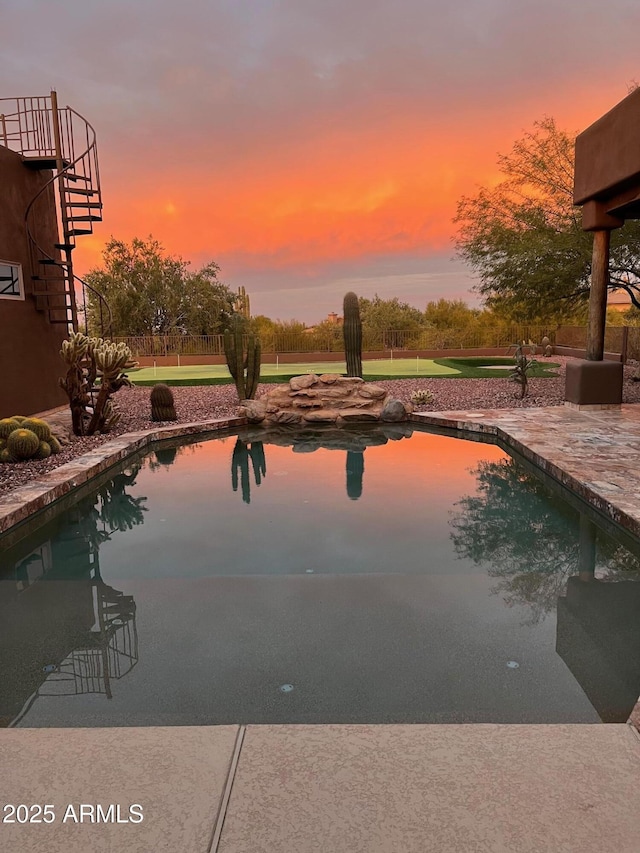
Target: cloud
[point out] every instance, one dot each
(274, 135)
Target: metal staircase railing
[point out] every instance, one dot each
(60, 139)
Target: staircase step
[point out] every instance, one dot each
(91, 217)
(64, 246)
(78, 191)
(50, 262)
(86, 204)
(71, 176)
(75, 232)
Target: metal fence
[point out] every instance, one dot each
(617, 339)
(332, 341)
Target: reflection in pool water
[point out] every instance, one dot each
(448, 585)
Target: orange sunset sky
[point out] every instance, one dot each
(312, 147)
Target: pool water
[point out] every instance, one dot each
(375, 576)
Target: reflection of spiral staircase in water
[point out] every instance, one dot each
(61, 603)
(62, 141)
(111, 649)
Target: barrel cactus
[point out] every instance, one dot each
(25, 441)
(54, 444)
(37, 425)
(162, 403)
(7, 426)
(352, 332)
(22, 443)
(44, 450)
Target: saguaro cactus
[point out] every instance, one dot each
(352, 331)
(244, 366)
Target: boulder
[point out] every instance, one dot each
(305, 381)
(393, 411)
(253, 410)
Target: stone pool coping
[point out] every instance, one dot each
(568, 445)
(19, 504)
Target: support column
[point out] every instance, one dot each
(594, 381)
(598, 295)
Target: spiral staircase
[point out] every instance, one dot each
(60, 140)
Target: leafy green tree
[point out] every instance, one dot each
(153, 293)
(451, 314)
(380, 313)
(524, 236)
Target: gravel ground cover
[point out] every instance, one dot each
(204, 402)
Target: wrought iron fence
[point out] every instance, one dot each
(372, 340)
(617, 339)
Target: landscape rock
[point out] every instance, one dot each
(329, 398)
(304, 381)
(253, 410)
(393, 410)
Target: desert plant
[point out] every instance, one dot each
(523, 365)
(23, 439)
(22, 443)
(162, 404)
(422, 396)
(243, 366)
(87, 360)
(7, 426)
(37, 425)
(352, 333)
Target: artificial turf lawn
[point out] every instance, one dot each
(397, 368)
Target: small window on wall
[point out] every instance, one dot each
(11, 286)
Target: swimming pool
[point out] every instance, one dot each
(386, 575)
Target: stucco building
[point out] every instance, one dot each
(49, 195)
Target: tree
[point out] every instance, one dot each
(152, 293)
(451, 314)
(524, 236)
(380, 313)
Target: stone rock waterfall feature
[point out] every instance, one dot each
(326, 399)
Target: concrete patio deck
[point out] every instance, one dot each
(340, 789)
(379, 789)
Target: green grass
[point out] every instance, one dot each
(474, 367)
(398, 368)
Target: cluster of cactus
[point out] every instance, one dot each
(162, 404)
(421, 397)
(352, 332)
(26, 438)
(87, 360)
(244, 366)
